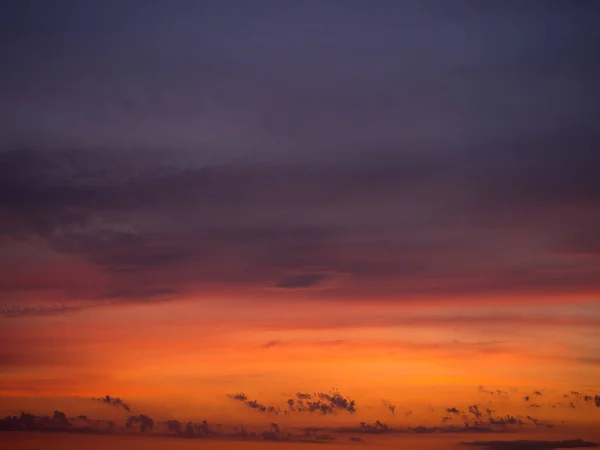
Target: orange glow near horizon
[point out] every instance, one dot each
(185, 358)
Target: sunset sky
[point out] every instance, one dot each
(396, 199)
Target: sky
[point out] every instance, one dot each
(399, 200)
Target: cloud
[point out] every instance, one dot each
(145, 423)
(303, 401)
(389, 406)
(37, 310)
(531, 445)
(301, 281)
(506, 420)
(313, 280)
(255, 404)
(311, 173)
(324, 403)
(157, 226)
(241, 397)
(474, 409)
(271, 344)
(451, 319)
(31, 422)
(113, 401)
(173, 228)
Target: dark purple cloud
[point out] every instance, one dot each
(159, 235)
(350, 156)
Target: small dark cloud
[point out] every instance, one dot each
(255, 404)
(272, 343)
(303, 281)
(533, 420)
(531, 445)
(376, 427)
(389, 406)
(474, 409)
(240, 397)
(113, 401)
(147, 294)
(496, 392)
(506, 420)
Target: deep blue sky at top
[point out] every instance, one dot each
(289, 80)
